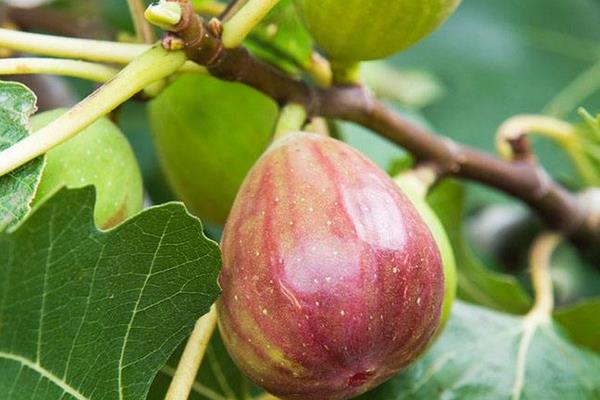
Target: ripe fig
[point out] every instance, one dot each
(331, 280)
(208, 134)
(100, 156)
(355, 30)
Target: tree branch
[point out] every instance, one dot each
(560, 209)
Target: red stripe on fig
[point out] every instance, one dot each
(331, 280)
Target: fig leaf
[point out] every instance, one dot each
(86, 314)
(17, 188)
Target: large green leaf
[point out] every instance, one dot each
(86, 314)
(17, 188)
(476, 283)
(484, 354)
(582, 322)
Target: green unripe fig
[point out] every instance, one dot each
(208, 134)
(413, 190)
(355, 30)
(101, 156)
(331, 281)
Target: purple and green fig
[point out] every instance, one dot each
(332, 282)
(100, 155)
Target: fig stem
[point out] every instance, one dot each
(58, 46)
(540, 259)
(319, 69)
(211, 8)
(346, 73)
(317, 125)
(421, 178)
(74, 68)
(143, 30)
(242, 22)
(164, 14)
(291, 119)
(192, 356)
(153, 65)
(80, 49)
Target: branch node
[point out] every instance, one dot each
(215, 27)
(521, 148)
(172, 42)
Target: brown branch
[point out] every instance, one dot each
(524, 179)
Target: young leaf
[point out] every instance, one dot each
(484, 354)
(582, 322)
(586, 154)
(86, 314)
(17, 188)
(476, 283)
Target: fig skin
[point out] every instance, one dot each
(356, 30)
(331, 280)
(100, 155)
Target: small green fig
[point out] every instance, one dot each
(355, 30)
(101, 156)
(412, 188)
(331, 280)
(208, 134)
